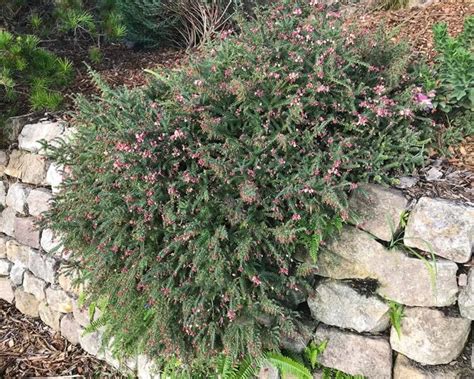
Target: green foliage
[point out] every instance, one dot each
(455, 68)
(331, 373)
(95, 54)
(187, 201)
(396, 315)
(25, 65)
(288, 366)
(312, 352)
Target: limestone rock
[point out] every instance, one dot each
(443, 227)
(406, 280)
(3, 161)
(54, 176)
(16, 274)
(404, 368)
(355, 354)
(428, 336)
(66, 282)
(31, 135)
(38, 201)
(378, 210)
(3, 247)
(70, 329)
(51, 243)
(17, 253)
(5, 267)
(7, 221)
(30, 168)
(26, 303)
(3, 194)
(92, 343)
(49, 317)
(26, 232)
(6, 290)
(42, 266)
(58, 300)
(81, 314)
(466, 297)
(34, 285)
(16, 197)
(338, 304)
(146, 369)
(268, 371)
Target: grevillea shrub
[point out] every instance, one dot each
(187, 202)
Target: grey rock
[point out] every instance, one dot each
(34, 285)
(16, 274)
(17, 253)
(92, 343)
(81, 314)
(31, 135)
(13, 126)
(49, 317)
(338, 304)
(26, 303)
(39, 201)
(377, 210)
(70, 329)
(406, 182)
(27, 232)
(51, 243)
(406, 280)
(58, 300)
(5, 267)
(404, 368)
(3, 247)
(442, 227)
(462, 280)
(6, 290)
(146, 369)
(54, 177)
(42, 266)
(3, 194)
(466, 297)
(355, 354)
(428, 336)
(433, 174)
(268, 371)
(16, 197)
(297, 341)
(30, 168)
(3, 161)
(7, 221)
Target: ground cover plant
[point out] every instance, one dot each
(186, 203)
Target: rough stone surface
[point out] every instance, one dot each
(6, 290)
(3, 161)
(13, 126)
(5, 267)
(146, 369)
(3, 194)
(17, 253)
(38, 201)
(406, 280)
(7, 221)
(26, 303)
(430, 337)
(378, 210)
(66, 282)
(299, 339)
(54, 177)
(16, 197)
(404, 368)
(58, 300)
(268, 371)
(34, 285)
(16, 274)
(70, 329)
(31, 135)
(339, 304)
(3, 247)
(26, 232)
(466, 297)
(30, 168)
(355, 354)
(50, 243)
(49, 317)
(443, 227)
(92, 342)
(42, 266)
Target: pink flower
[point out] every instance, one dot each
(322, 88)
(293, 76)
(362, 120)
(297, 12)
(255, 280)
(283, 270)
(423, 100)
(296, 217)
(231, 315)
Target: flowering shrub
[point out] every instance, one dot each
(187, 202)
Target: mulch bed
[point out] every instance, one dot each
(29, 348)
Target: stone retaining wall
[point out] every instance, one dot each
(385, 257)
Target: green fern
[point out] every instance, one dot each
(396, 315)
(288, 366)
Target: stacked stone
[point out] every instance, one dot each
(365, 268)
(32, 261)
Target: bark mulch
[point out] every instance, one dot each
(30, 349)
